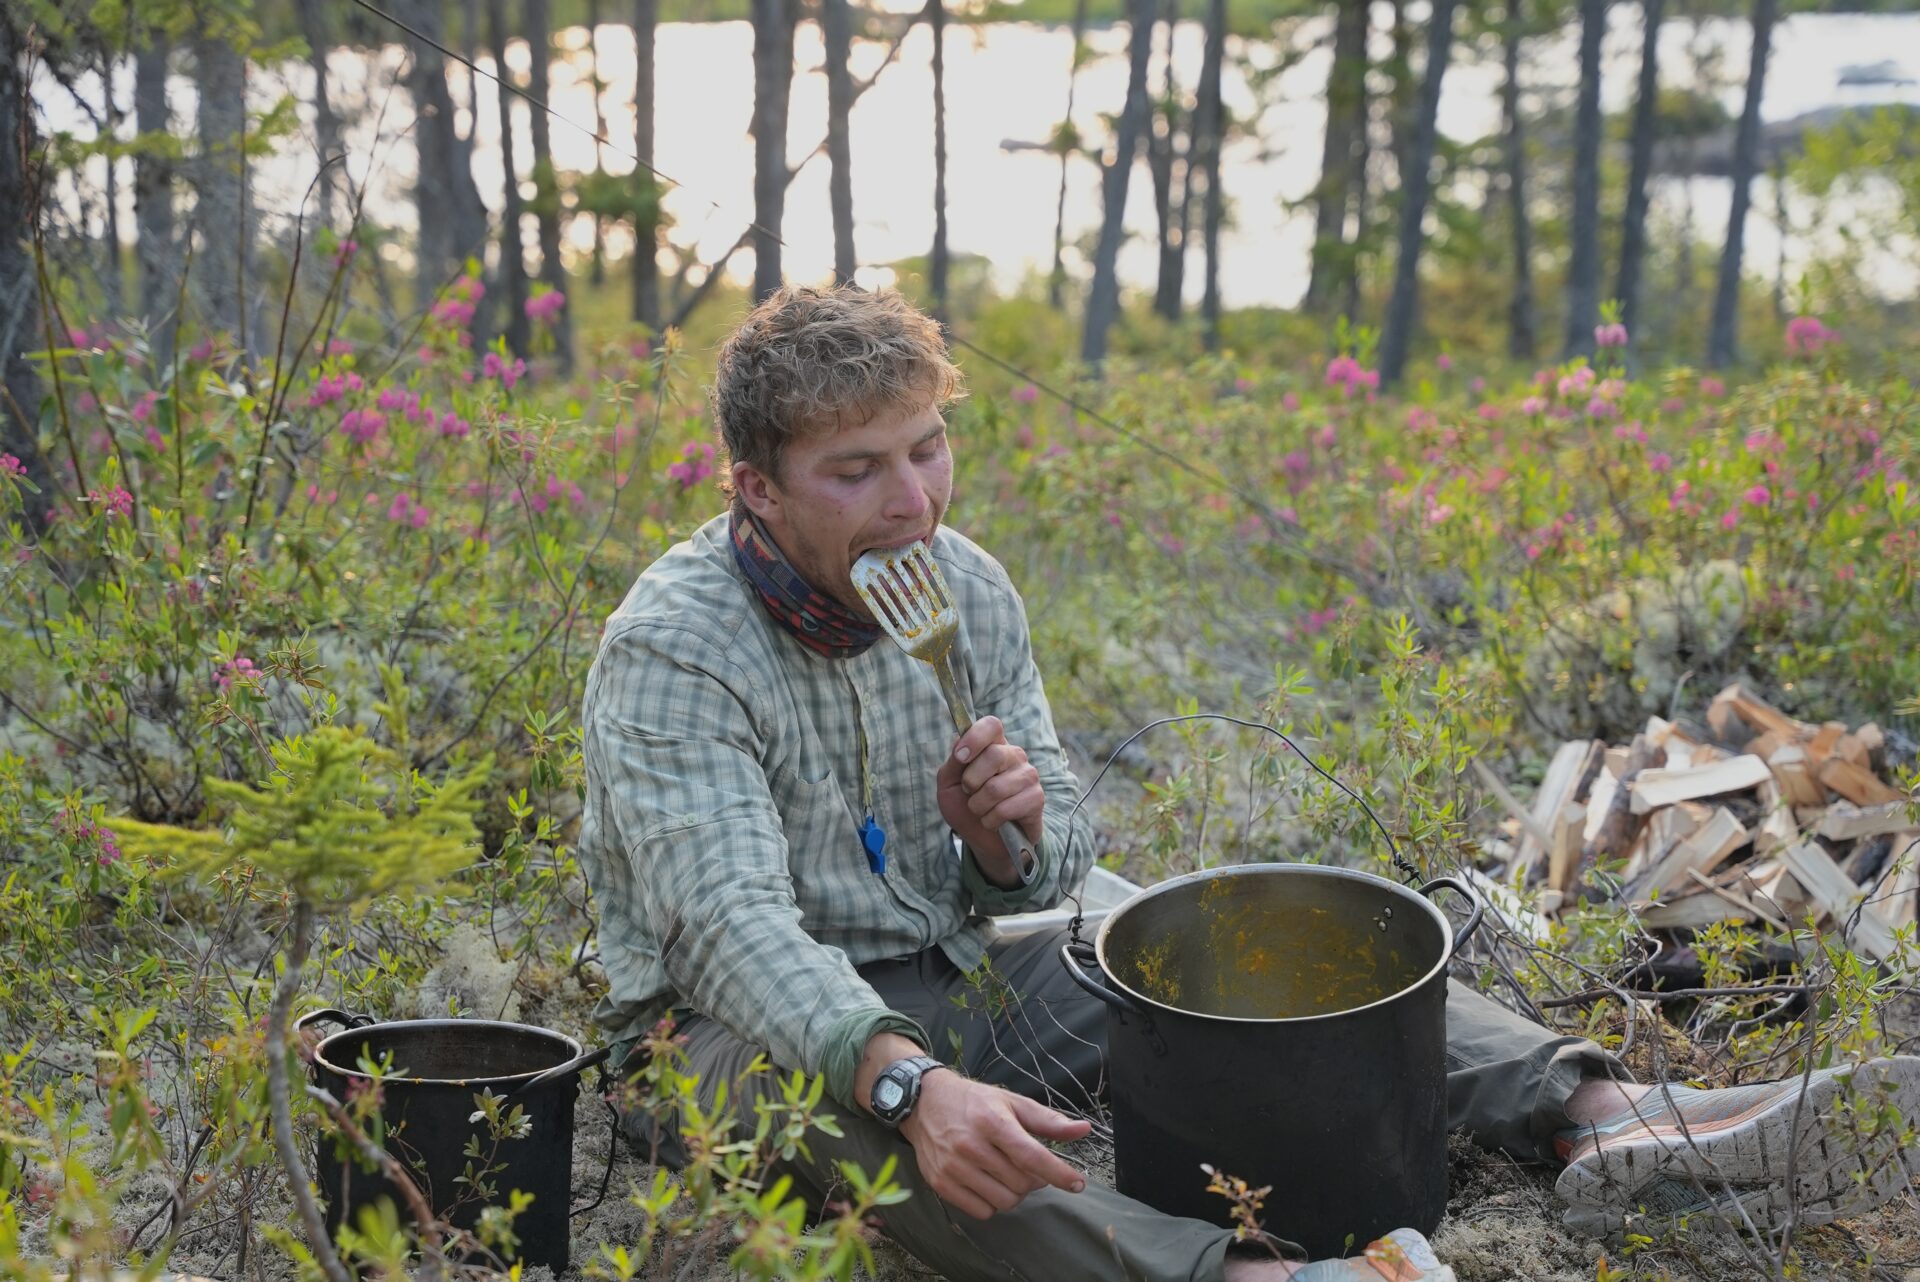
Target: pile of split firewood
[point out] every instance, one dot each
(1753, 817)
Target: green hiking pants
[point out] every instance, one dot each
(1031, 1029)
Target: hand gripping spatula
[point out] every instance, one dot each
(909, 598)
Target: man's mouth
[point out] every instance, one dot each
(925, 536)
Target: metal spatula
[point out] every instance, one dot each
(908, 596)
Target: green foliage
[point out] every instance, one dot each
(340, 822)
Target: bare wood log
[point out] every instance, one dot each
(1568, 772)
(1845, 821)
(1820, 747)
(1856, 783)
(1874, 741)
(1656, 788)
(1617, 823)
(1761, 715)
(1667, 828)
(1790, 770)
(1778, 828)
(1897, 894)
(1701, 851)
(1841, 900)
(1563, 855)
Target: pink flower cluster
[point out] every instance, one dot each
(1317, 621)
(451, 424)
(461, 301)
(11, 466)
(407, 510)
(1026, 394)
(362, 425)
(1346, 373)
(115, 502)
(239, 668)
(344, 255)
(544, 307)
(508, 374)
(695, 465)
(1612, 335)
(331, 387)
(1806, 336)
(69, 825)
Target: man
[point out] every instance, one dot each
(794, 855)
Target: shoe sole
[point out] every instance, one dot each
(1657, 1179)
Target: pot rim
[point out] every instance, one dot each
(1274, 869)
(571, 1047)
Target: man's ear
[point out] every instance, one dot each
(758, 491)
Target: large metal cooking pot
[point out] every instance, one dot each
(1286, 1024)
(427, 1105)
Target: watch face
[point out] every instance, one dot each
(887, 1094)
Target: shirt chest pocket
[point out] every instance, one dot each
(823, 845)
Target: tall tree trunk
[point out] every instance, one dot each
(646, 223)
(1210, 125)
(1403, 312)
(225, 259)
(326, 125)
(537, 19)
(1346, 87)
(1633, 223)
(1067, 140)
(1583, 264)
(444, 192)
(1724, 337)
(1103, 301)
(937, 262)
(597, 273)
(113, 278)
(836, 30)
(772, 82)
(155, 253)
(1521, 341)
(1782, 223)
(1400, 101)
(22, 328)
(1168, 168)
(1360, 184)
(513, 254)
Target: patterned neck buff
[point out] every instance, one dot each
(814, 619)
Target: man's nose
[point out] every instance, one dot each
(907, 497)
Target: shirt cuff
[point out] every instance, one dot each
(847, 1043)
(990, 900)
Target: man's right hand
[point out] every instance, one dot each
(977, 1147)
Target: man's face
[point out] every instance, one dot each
(881, 484)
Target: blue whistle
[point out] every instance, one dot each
(873, 839)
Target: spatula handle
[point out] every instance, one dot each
(1026, 861)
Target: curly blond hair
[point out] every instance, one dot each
(813, 360)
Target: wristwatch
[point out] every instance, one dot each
(897, 1089)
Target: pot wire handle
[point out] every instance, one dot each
(1408, 872)
(1076, 970)
(1477, 907)
(577, 1065)
(332, 1016)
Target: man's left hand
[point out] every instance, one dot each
(986, 782)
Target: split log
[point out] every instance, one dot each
(1857, 783)
(1789, 766)
(1761, 715)
(1841, 900)
(1567, 775)
(1611, 824)
(1696, 912)
(1820, 747)
(1563, 856)
(1897, 895)
(1702, 851)
(1845, 821)
(1656, 788)
(1777, 828)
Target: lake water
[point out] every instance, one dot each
(1007, 83)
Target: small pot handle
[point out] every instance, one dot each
(1476, 907)
(572, 1068)
(1077, 970)
(331, 1016)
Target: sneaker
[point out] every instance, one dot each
(1725, 1156)
(1401, 1256)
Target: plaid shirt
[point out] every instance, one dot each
(724, 798)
